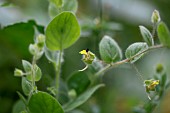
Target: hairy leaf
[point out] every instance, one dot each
(68, 5)
(26, 86)
(109, 50)
(147, 36)
(135, 49)
(18, 107)
(28, 67)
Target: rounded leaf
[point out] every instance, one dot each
(109, 50)
(58, 3)
(147, 36)
(163, 34)
(27, 66)
(38, 74)
(18, 107)
(42, 102)
(62, 31)
(135, 49)
(68, 5)
(26, 86)
(28, 69)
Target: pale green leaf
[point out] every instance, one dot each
(18, 107)
(68, 5)
(135, 49)
(38, 74)
(28, 69)
(109, 50)
(26, 86)
(58, 3)
(147, 36)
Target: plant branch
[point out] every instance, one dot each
(109, 66)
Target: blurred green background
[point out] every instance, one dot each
(121, 18)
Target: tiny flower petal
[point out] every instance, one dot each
(154, 83)
(83, 52)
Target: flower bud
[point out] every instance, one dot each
(150, 85)
(36, 51)
(40, 41)
(155, 17)
(18, 73)
(88, 57)
(72, 93)
(159, 68)
(33, 49)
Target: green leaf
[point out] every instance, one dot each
(68, 5)
(18, 36)
(147, 36)
(38, 74)
(26, 86)
(58, 3)
(18, 107)
(28, 67)
(163, 34)
(42, 102)
(81, 99)
(62, 31)
(78, 81)
(135, 49)
(109, 50)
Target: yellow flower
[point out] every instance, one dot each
(150, 85)
(83, 52)
(154, 84)
(88, 56)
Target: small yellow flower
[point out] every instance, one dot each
(83, 52)
(154, 84)
(150, 85)
(88, 56)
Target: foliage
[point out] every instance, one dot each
(60, 34)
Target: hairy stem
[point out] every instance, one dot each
(33, 71)
(109, 66)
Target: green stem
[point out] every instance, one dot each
(33, 71)
(154, 30)
(33, 77)
(109, 66)
(58, 69)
